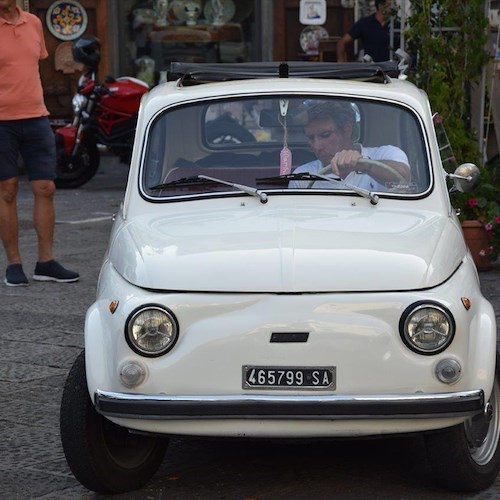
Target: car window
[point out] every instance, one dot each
(263, 142)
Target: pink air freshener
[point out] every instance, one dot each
(285, 161)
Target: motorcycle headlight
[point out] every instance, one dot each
(151, 330)
(427, 328)
(78, 102)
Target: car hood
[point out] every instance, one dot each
(287, 250)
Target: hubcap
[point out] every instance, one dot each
(129, 451)
(482, 431)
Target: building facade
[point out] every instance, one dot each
(141, 37)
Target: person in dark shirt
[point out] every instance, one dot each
(373, 31)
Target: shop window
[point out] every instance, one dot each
(160, 32)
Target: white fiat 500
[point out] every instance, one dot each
(286, 263)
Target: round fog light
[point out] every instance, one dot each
(448, 371)
(132, 374)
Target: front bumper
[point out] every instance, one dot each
(163, 407)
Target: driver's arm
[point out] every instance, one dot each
(348, 160)
(383, 175)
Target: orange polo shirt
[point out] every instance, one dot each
(21, 47)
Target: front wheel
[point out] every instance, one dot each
(103, 456)
(75, 171)
(467, 457)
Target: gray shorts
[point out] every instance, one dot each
(34, 140)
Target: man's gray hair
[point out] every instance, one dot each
(341, 112)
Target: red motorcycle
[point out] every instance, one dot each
(104, 113)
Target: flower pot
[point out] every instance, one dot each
(477, 241)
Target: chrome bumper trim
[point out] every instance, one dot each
(332, 407)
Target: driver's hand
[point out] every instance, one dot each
(344, 162)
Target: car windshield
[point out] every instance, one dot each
(285, 144)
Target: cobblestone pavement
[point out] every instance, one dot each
(41, 334)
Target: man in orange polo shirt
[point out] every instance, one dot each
(25, 130)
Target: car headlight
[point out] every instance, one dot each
(427, 328)
(151, 330)
(78, 102)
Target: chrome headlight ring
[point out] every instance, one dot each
(151, 330)
(427, 327)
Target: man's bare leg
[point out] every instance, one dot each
(9, 227)
(44, 217)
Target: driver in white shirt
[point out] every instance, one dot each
(329, 132)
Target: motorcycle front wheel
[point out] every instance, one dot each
(75, 171)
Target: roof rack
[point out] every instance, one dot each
(196, 73)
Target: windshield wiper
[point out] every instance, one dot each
(202, 179)
(312, 177)
(246, 189)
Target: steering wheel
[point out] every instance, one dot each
(377, 163)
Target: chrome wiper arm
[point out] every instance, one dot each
(257, 193)
(374, 198)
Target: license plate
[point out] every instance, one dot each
(289, 377)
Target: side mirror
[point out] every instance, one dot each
(465, 178)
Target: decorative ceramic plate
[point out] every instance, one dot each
(312, 12)
(227, 13)
(66, 20)
(310, 37)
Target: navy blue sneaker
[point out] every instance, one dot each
(14, 276)
(53, 271)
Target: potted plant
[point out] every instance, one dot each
(480, 216)
(446, 40)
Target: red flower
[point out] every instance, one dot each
(472, 202)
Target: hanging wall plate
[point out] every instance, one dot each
(312, 12)
(66, 20)
(310, 37)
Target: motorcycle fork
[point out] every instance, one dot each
(83, 125)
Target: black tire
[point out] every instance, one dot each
(226, 130)
(103, 456)
(466, 457)
(75, 171)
